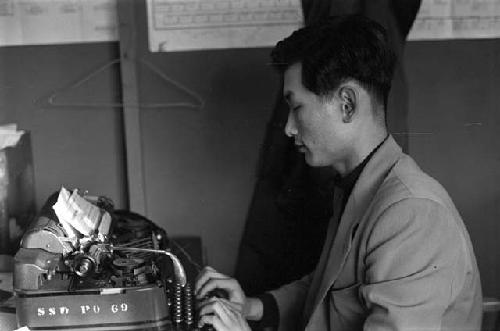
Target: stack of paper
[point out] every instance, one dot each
(9, 135)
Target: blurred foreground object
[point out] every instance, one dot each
(17, 198)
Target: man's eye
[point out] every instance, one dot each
(296, 108)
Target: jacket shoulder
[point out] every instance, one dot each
(407, 181)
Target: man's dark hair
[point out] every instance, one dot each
(336, 49)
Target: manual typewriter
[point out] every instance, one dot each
(83, 266)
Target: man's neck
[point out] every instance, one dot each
(361, 149)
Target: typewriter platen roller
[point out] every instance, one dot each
(113, 272)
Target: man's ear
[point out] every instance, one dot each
(348, 103)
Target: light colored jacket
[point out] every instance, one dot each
(400, 259)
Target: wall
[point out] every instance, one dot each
(454, 118)
(76, 146)
(200, 165)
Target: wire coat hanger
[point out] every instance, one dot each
(196, 102)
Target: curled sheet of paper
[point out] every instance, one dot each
(61, 211)
(77, 214)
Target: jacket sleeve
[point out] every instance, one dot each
(290, 299)
(416, 260)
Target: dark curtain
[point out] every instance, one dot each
(292, 202)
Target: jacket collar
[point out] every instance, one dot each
(338, 243)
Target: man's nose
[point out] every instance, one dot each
(290, 127)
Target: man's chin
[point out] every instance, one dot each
(310, 160)
(314, 162)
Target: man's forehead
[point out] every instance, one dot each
(292, 80)
(293, 72)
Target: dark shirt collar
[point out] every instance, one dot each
(347, 182)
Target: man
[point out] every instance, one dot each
(397, 255)
(278, 240)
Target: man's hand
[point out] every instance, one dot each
(223, 315)
(209, 279)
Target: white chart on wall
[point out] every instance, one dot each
(35, 22)
(457, 19)
(176, 25)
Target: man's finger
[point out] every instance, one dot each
(232, 306)
(205, 275)
(214, 321)
(204, 271)
(212, 306)
(206, 307)
(227, 284)
(221, 310)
